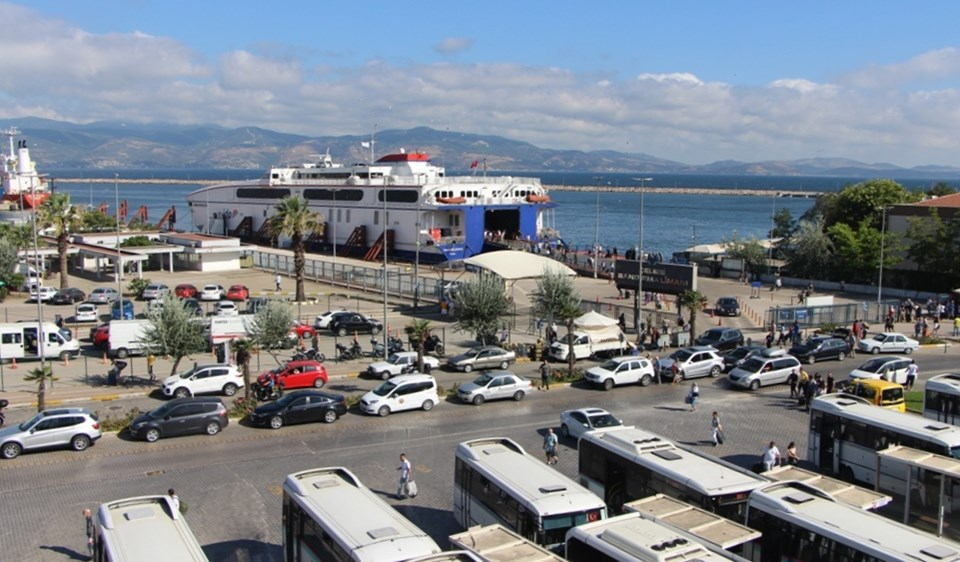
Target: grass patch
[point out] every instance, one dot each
(914, 400)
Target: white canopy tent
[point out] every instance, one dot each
(512, 265)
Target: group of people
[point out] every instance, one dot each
(772, 457)
(805, 388)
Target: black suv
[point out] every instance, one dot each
(69, 295)
(181, 416)
(354, 322)
(821, 347)
(721, 339)
(727, 306)
(300, 407)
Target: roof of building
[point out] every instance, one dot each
(952, 200)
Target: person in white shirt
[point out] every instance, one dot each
(771, 457)
(404, 468)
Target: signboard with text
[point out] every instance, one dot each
(667, 278)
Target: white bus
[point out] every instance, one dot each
(144, 529)
(329, 515)
(799, 522)
(846, 433)
(496, 481)
(629, 463)
(497, 543)
(941, 398)
(631, 538)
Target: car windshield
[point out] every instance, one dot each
(162, 410)
(482, 380)
(473, 351)
(188, 374)
(393, 358)
(740, 353)
(874, 365)
(880, 337)
(711, 336)
(385, 388)
(66, 334)
(30, 422)
(681, 355)
(753, 364)
(726, 302)
(603, 420)
(610, 365)
(286, 399)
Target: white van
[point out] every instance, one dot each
(771, 366)
(21, 340)
(406, 392)
(126, 337)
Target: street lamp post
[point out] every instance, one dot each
(116, 194)
(883, 231)
(385, 325)
(41, 337)
(596, 233)
(639, 295)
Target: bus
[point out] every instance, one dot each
(631, 538)
(144, 529)
(846, 433)
(799, 522)
(941, 398)
(628, 463)
(496, 481)
(328, 514)
(497, 543)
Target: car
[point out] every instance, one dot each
(625, 369)
(299, 374)
(154, 291)
(494, 385)
(820, 347)
(226, 308)
(86, 312)
(574, 423)
(302, 406)
(354, 322)
(727, 306)
(254, 304)
(322, 321)
(888, 342)
(103, 295)
(400, 364)
(185, 291)
(193, 305)
(721, 339)
(238, 293)
(181, 416)
(773, 366)
(892, 368)
(302, 331)
(692, 362)
(70, 295)
(100, 336)
(212, 293)
(482, 357)
(737, 356)
(78, 428)
(127, 310)
(406, 392)
(219, 378)
(43, 294)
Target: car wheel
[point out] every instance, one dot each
(715, 371)
(427, 405)
(64, 355)
(330, 416)
(504, 365)
(908, 350)
(426, 368)
(276, 422)
(564, 430)
(319, 382)
(230, 389)
(478, 399)
(518, 395)
(122, 353)
(341, 332)
(181, 393)
(385, 375)
(811, 360)
(80, 442)
(213, 428)
(875, 350)
(11, 450)
(375, 330)
(384, 411)
(841, 356)
(645, 380)
(608, 384)
(152, 435)
(467, 368)
(755, 385)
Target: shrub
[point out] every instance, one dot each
(111, 423)
(136, 286)
(241, 407)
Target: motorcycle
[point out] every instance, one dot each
(432, 344)
(3, 417)
(309, 354)
(394, 345)
(345, 353)
(264, 389)
(113, 375)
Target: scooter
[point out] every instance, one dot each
(394, 345)
(113, 375)
(433, 345)
(345, 353)
(264, 391)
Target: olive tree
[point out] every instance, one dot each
(174, 331)
(481, 304)
(270, 327)
(555, 298)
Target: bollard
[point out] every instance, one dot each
(13, 364)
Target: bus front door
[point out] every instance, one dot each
(827, 436)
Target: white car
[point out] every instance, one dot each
(494, 385)
(43, 294)
(154, 291)
(212, 293)
(215, 378)
(890, 368)
(400, 364)
(888, 342)
(626, 369)
(226, 308)
(574, 423)
(86, 312)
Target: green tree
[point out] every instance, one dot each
(41, 376)
(270, 327)
(243, 349)
(417, 331)
(856, 253)
(556, 298)
(936, 246)
(93, 220)
(862, 201)
(64, 218)
(294, 218)
(480, 304)
(8, 266)
(783, 224)
(941, 188)
(809, 250)
(174, 331)
(753, 254)
(694, 301)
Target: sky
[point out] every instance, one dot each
(696, 82)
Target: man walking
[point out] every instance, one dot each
(545, 374)
(771, 457)
(912, 372)
(277, 280)
(550, 446)
(716, 430)
(91, 531)
(404, 468)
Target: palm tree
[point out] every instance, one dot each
(694, 301)
(244, 348)
(57, 213)
(41, 376)
(295, 219)
(417, 332)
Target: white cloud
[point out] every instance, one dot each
(453, 45)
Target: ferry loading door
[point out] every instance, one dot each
(506, 222)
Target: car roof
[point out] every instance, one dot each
(412, 377)
(207, 365)
(588, 411)
(65, 411)
(301, 362)
(196, 399)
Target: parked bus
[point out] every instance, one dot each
(629, 463)
(328, 514)
(496, 481)
(497, 543)
(144, 529)
(631, 538)
(941, 398)
(846, 433)
(799, 522)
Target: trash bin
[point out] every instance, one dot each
(681, 339)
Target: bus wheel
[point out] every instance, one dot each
(846, 474)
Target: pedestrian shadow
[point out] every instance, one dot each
(672, 408)
(243, 550)
(697, 443)
(389, 495)
(344, 387)
(64, 551)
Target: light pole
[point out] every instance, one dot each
(116, 194)
(883, 231)
(416, 259)
(334, 221)
(385, 326)
(41, 344)
(596, 233)
(639, 295)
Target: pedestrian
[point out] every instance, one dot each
(174, 499)
(545, 375)
(716, 429)
(912, 372)
(675, 371)
(693, 396)
(792, 379)
(792, 457)
(622, 321)
(771, 457)
(151, 359)
(956, 326)
(405, 469)
(550, 446)
(830, 383)
(277, 280)
(91, 531)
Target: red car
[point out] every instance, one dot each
(298, 374)
(185, 291)
(302, 331)
(238, 293)
(100, 336)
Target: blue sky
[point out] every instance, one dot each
(689, 81)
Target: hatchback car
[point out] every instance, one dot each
(42, 294)
(721, 338)
(182, 416)
(100, 336)
(154, 291)
(185, 291)
(77, 428)
(204, 379)
(482, 357)
(893, 369)
(353, 322)
(126, 313)
(494, 385)
(303, 406)
(889, 342)
(300, 330)
(70, 295)
(299, 374)
(226, 308)
(727, 306)
(86, 312)
(103, 295)
(621, 370)
(692, 362)
(193, 306)
(212, 293)
(820, 347)
(400, 364)
(765, 369)
(574, 423)
(238, 293)
(406, 392)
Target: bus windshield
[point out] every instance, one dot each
(555, 527)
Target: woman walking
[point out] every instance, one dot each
(693, 396)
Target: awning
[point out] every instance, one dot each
(512, 265)
(594, 320)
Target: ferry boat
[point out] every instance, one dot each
(449, 218)
(23, 188)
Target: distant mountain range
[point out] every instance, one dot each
(57, 145)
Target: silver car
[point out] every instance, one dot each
(103, 295)
(494, 385)
(77, 428)
(692, 362)
(154, 291)
(482, 357)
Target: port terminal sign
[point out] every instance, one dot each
(666, 278)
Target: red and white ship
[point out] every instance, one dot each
(23, 187)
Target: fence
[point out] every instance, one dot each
(841, 314)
